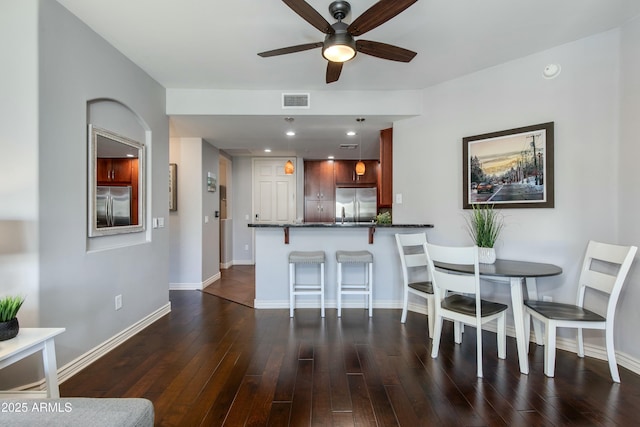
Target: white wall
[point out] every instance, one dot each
(583, 103)
(66, 67)
(629, 182)
(19, 269)
(195, 248)
(241, 210)
(19, 160)
(185, 224)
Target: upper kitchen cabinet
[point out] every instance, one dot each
(385, 187)
(114, 170)
(318, 180)
(345, 173)
(319, 191)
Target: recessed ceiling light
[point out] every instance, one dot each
(351, 133)
(267, 150)
(291, 133)
(331, 157)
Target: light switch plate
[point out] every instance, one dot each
(399, 198)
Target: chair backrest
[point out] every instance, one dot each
(444, 281)
(412, 255)
(600, 261)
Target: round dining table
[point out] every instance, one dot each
(518, 273)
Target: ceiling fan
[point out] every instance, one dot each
(339, 44)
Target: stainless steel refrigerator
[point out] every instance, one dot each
(113, 206)
(356, 204)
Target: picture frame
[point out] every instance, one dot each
(173, 187)
(212, 182)
(509, 169)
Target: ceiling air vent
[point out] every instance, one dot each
(348, 146)
(296, 100)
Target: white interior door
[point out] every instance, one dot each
(274, 193)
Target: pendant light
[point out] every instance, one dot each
(288, 167)
(360, 168)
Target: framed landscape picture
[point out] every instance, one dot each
(509, 169)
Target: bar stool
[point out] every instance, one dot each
(305, 257)
(364, 288)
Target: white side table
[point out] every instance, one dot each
(29, 341)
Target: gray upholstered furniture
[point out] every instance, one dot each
(77, 411)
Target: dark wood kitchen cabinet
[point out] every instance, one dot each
(345, 173)
(114, 170)
(319, 191)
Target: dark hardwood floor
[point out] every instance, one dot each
(237, 284)
(213, 362)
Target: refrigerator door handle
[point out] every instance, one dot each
(356, 208)
(110, 211)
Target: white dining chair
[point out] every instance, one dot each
(415, 274)
(597, 274)
(457, 298)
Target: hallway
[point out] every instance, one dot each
(237, 284)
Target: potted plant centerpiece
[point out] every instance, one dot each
(484, 225)
(9, 307)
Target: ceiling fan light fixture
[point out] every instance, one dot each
(339, 47)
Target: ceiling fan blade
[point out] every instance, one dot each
(290, 49)
(385, 51)
(310, 15)
(333, 71)
(377, 15)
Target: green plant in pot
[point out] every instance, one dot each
(484, 225)
(9, 307)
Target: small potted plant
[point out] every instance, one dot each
(9, 307)
(484, 225)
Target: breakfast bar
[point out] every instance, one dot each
(274, 241)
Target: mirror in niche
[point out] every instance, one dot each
(116, 184)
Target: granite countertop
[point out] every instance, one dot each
(338, 225)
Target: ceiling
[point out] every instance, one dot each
(209, 44)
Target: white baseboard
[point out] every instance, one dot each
(590, 350)
(194, 286)
(81, 362)
(211, 279)
(226, 265)
(243, 262)
(279, 304)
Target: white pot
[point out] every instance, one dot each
(486, 255)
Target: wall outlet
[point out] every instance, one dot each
(246, 247)
(547, 298)
(118, 302)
